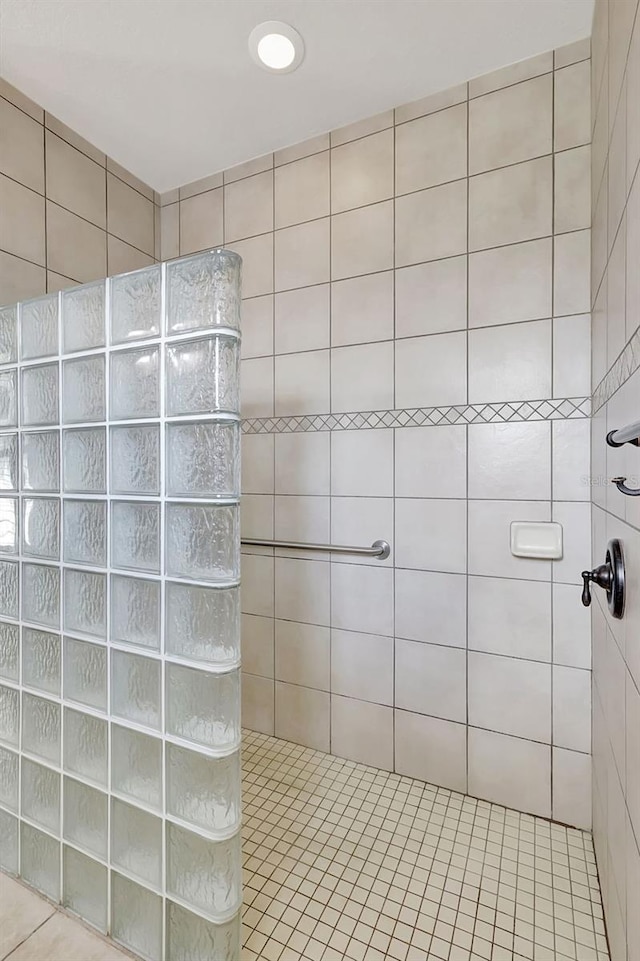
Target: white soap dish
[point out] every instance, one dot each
(539, 539)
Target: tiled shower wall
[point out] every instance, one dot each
(431, 260)
(68, 213)
(616, 381)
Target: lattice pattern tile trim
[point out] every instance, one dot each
(626, 365)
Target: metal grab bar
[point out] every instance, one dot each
(379, 549)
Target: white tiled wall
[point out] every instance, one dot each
(616, 317)
(420, 258)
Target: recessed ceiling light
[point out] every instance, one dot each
(276, 46)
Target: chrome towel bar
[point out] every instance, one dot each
(379, 549)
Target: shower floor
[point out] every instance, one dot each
(344, 861)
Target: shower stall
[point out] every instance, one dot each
(119, 604)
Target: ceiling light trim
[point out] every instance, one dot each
(277, 28)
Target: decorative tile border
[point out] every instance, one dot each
(622, 369)
(556, 409)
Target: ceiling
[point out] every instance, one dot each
(168, 89)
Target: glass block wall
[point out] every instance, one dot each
(119, 604)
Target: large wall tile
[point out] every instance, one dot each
(510, 617)
(129, 215)
(431, 224)
(302, 190)
(512, 283)
(302, 319)
(362, 732)
(362, 599)
(21, 147)
(420, 453)
(302, 255)
(302, 654)
(431, 370)
(362, 309)
(511, 204)
(362, 463)
(201, 221)
(23, 221)
(431, 607)
(431, 150)
(349, 652)
(431, 298)
(248, 207)
(430, 534)
(511, 125)
(362, 172)
(302, 383)
(350, 390)
(302, 715)
(431, 749)
(572, 106)
(362, 241)
(510, 696)
(511, 461)
(302, 463)
(20, 279)
(75, 181)
(257, 326)
(431, 679)
(516, 771)
(510, 363)
(75, 247)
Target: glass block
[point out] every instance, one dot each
(135, 384)
(203, 542)
(204, 291)
(136, 305)
(9, 525)
(136, 842)
(135, 611)
(135, 459)
(41, 594)
(9, 651)
(9, 715)
(85, 745)
(8, 398)
(136, 765)
(83, 317)
(41, 527)
(41, 727)
(84, 460)
(85, 673)
(203, 873)
(85, 817)
(192, 938)
(8, 842)
(40, 861)
(8, 335)
(9, 588)
(84, 887)
(41, 660)
(41, 461)
(8, 462)
(39, 386)
(85, 602)
(9, 779)
(203, 707)
(203, 790)
(39, 327)
(135, 688)
(135, 536)
(41, 795)
(83, 390)
(203, 622)
(203, 376)
(85, 532)
(203, 460)
(136, 917)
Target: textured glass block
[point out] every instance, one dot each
(39, 327)
(136, 917)
(41, 594)
(83, 390)
(203, 542)
(135, 611)
(9, 651)
(85, 673)
(136, 842)
(83, 317)
(85, 745)
(9, 525)
(41, 461)
(9, 715)
(204, 873)
(8, 779)
(135, 688)
(85, 532)
(135, 536)
(85, 817)
(41, 527)
(41, 660)
(9, 588)
(135, 459)
(203, 376)
(203, 790)
(84, 460)
(8, 842)
(8, 335)
(135, 383)
(41, 727)
(41, 795)
(203, 460)
(84, 887)
(135, 305)
(192, 938)
(203, 707)
(8, 398)
(136, 765)
(85, 602)
(40, 861)
(203, 622)
(39, 386)
(204, 291)
(8, 462)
